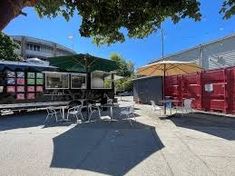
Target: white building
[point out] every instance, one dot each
(31, 47)
(215, 54)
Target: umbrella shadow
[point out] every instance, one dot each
(103, 147)
(219, 126)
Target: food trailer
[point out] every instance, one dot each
(26, 85)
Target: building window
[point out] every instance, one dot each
(33, 47)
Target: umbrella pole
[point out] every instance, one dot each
(164, 75)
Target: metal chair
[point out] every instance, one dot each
(155, 107)
(128, 112)
(93, 109)
(52, 112)
(187, 105)
(75, 112)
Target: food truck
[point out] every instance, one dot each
(31, 85)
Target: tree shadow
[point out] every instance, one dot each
(215, 125)
(103, 147)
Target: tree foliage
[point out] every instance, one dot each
(7, 48)
(107, 21)
(228, 8)
(126, 69)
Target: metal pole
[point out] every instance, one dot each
(164, 75)
(162, 42)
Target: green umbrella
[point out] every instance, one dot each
(83, 63)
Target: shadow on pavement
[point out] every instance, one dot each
(24, 120)
(103, 147)
(219, 126)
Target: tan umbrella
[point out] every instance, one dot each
(168, 68)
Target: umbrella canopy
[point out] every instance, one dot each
(168, 68)
(83, 63)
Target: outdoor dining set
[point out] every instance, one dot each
(183, 106)
(87, 111)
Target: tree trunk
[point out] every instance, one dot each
(9, 9)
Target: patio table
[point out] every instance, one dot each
(170, 102)
(62, 108)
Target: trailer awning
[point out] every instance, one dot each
(83, 63)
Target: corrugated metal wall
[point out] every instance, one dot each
(146, 89)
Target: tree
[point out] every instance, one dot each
(7, 48)
(104, 20)
(126, 69)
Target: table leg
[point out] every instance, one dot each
(111, 112)
(63, 114)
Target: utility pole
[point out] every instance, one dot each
(162, 42)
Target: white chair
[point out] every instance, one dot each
(93, 109)
(187, 105)
(128, 112)
(110, 101)
(52, 112)
(75, 111)
(155, 107)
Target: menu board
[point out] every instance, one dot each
(20, 96)
(39, 89)
(31, 75)
(39, 81)
(11, 89)
(39, 75)
(30, 96)
(20, 89)
(11, 74)
(20, 74)
(11, 81)
(30, 89)
(30, 81)
(20, 81)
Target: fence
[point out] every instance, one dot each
(212, 90)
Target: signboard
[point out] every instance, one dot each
(20, 74)
(208, 87)
(30, 81)
(30, 89)
(20, 96)
(39, 89)
(20, 88)
(39, 81)
(39, 75)
(10, 74)
(20, 81)
(11, 89)
(11, 81)
(31, 75)
(31, 96)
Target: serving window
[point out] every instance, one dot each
(57, 80)
(78, 81)
(101, 80)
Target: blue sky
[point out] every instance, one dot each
(183, 35)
